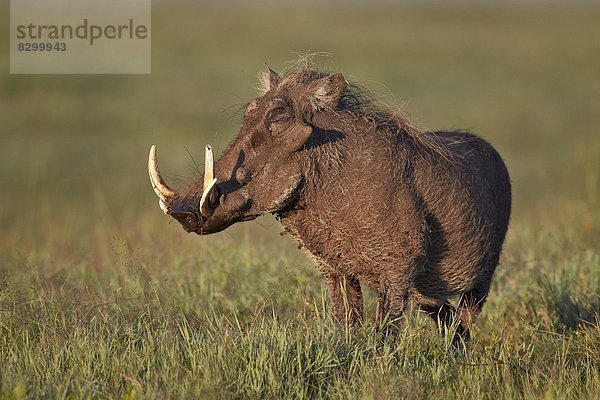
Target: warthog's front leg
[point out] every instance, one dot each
(393, 297)
(391, 303)
(346, 299)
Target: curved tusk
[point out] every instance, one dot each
(210, 181)
(208, 191)
(209, 167)
(164, 206)
(164, 192)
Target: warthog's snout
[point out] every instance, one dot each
(210, 208)
(188, 220)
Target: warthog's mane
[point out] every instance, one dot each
(360, 102)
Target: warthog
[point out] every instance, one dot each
(412, 214)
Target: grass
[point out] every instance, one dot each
(101, 297)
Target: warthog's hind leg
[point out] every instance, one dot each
(445, 316)
(464, 316)
(470, 305)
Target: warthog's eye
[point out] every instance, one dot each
(277, 113)
(279, 106)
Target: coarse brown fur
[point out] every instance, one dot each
(373, 199)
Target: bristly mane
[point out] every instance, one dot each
(360, 102)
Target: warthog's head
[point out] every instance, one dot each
(262, 171)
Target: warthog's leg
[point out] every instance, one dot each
(391, 303)
(445, 316)
(346, 299)
(470, 305)
(464, 316)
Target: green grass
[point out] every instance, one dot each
(102, 297)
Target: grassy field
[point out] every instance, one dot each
(102, 297)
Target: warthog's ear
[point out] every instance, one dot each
(325, 93)
(268, 79)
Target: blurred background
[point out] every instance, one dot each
(102, 295)
(73, 148)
